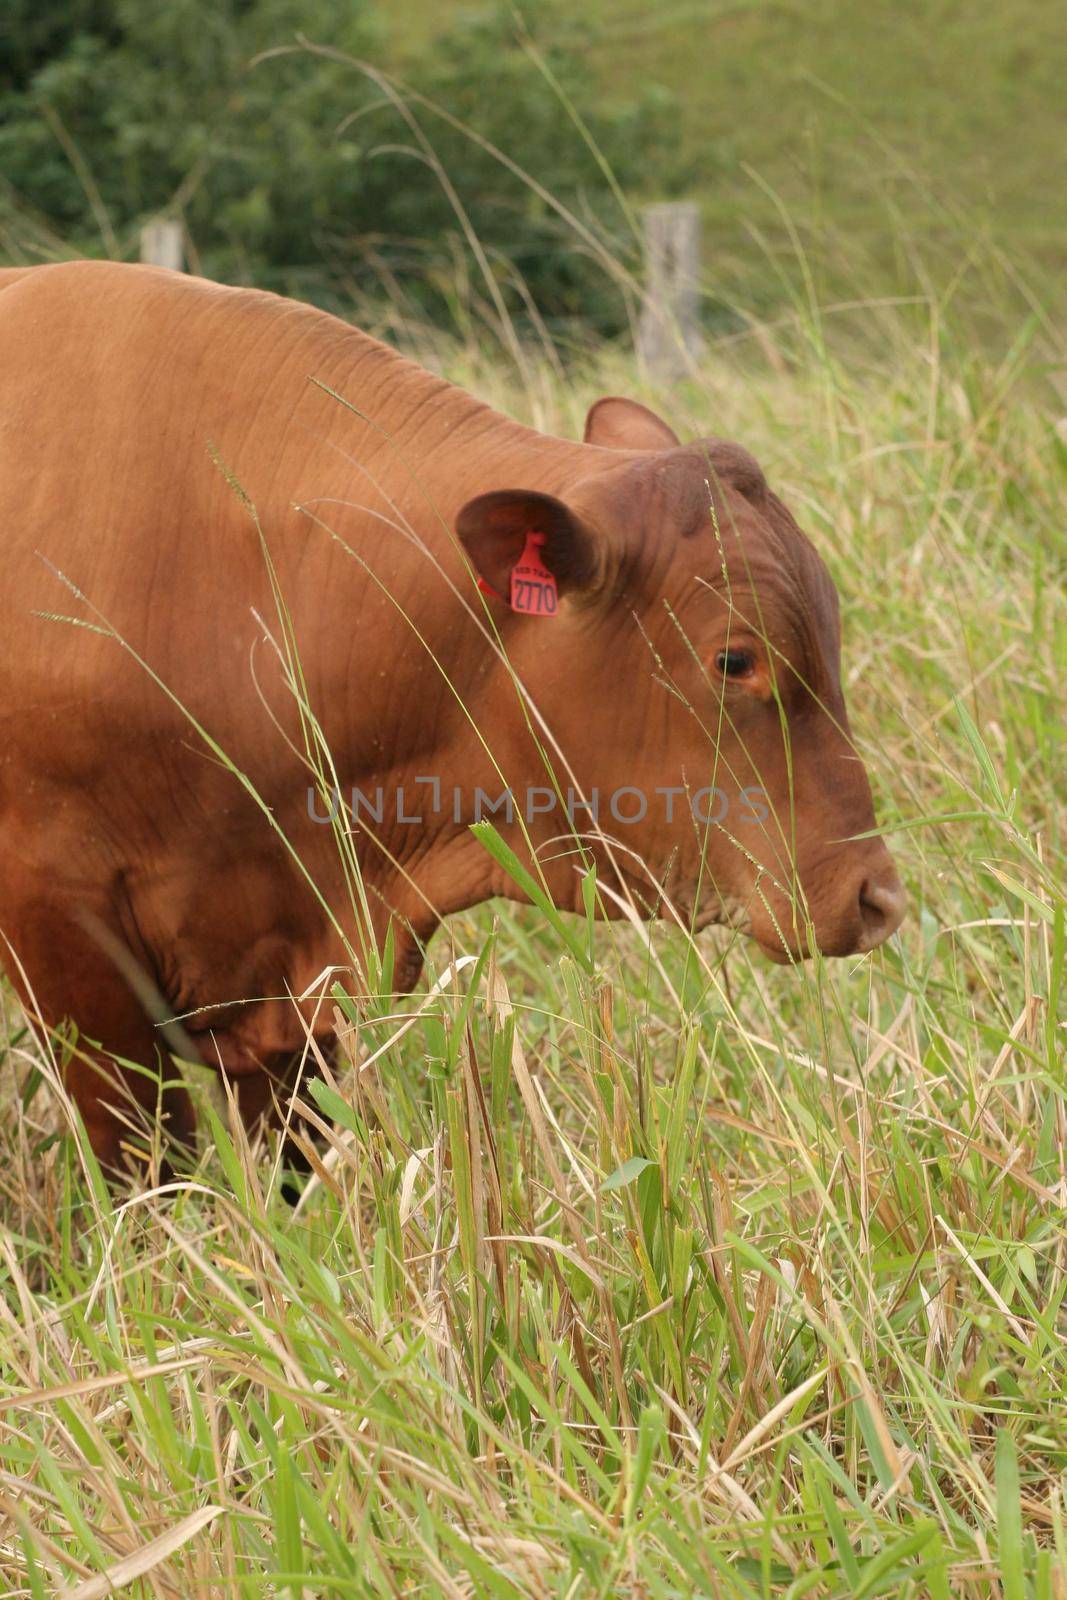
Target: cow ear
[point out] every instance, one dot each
(495, 529)
(619, 424)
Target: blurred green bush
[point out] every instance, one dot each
(299, 169)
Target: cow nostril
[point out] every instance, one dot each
(882, 908)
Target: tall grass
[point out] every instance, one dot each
(629, 1265)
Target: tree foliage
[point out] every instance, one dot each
(294, 166)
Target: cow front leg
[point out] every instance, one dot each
(118, 1071)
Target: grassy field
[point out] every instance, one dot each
(894, 135)
(635, 1266)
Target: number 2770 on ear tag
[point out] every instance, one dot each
(533, 586)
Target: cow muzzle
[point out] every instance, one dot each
(866, 906)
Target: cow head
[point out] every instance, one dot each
(697, 650)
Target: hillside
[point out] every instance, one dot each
(895, 134)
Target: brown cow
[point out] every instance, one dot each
(654, 637)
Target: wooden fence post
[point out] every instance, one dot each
(162, 245)
(668, 335)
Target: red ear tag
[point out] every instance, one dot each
(533, 587)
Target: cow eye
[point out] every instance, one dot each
(735, 663)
